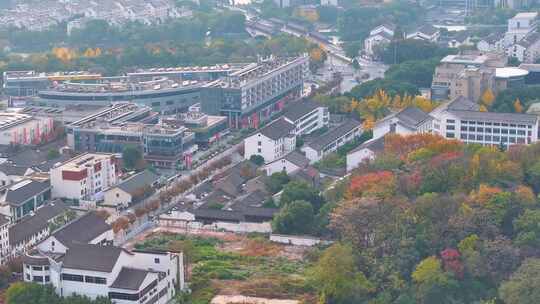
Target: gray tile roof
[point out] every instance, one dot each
(299, 109)
(413, 116)
(138, 181)
(91, 257)
(277, 129)
(376, 145)
(297, 158)
(130, 278)
(12, 169)
(463, 104)
(24, 190)
(427, 29)
(31, 225)
(517, 118)
(529, 40)
(82, 230)
(327, 138)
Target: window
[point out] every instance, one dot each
(504, 131)
(496, 130)
(479, 129)
(72, 277)
(95, 280)
(37, 279)
(37, 268)
(488, 137)
(463, 128)
(47, 279)
(259, 150)
(463, 136)
(450, 135)
(450, 128)
(488, 130)
(156, 260)
(27, 277)
(513, 132)
(450, 121)
(472, 129)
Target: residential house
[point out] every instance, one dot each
(272, 141)
(426, 32)
(407, 121)
(92, 270)
(365, 152)
(329, 142)
(494, 42)
(519, 26)
(288, 163)
(32, 229)
(378, 37)
(527, 50)
(4, 239)
(24, 197)
(87, 229)
(462, 119)
(10, 173)
(131, 190)
(458, 39)
(307, 116)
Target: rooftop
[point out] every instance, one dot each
(465, 59)
(277, 129)
(319, 143)
(374, 144)
(19, 193)
(82, 230)
(526, 15)
(509, 72)
(91, 257)
(130, 278)
(10, 119)
(138, 181)
(299, 109)
(33, 224)
(84, 161)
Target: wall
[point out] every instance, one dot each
(280, 165)
(242, 227)
(267, 147)
(296, 240)
(357, 157)
(117, 197)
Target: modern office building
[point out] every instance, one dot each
(128, 124)
(24, 197)
(255, 93)
(24, 129)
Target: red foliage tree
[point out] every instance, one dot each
(452, 262)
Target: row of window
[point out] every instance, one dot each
(481, 123)
(489, 138)
(87, 279)
(491, 130)
(38, 279)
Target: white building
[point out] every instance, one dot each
(125, 277)
(425, 32)
(10, 173)
(382, 34)
(271, 142)
(289, 163)
(407, 121)
(24, 129)
(365, 152)
(527, 50)
(491, 43)
(4, 239)
(84, 176)
(307, 116)
(519, 26)
(136, 187)
(461, 119)
(330, 141)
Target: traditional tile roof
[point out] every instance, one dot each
(332, 135)
(12, 169)
(18, 193)
(130, 278)
(297, 158)
(277, 129)
(299, 109)
(33, 224)
(82, 230)
(138, 181)
(91, 257)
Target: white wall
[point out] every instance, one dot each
(280, 165)
(356, 158)
(311, 154)
(295, 240)
(117, 197)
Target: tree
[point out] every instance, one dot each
(52, 154)
(336, 277)
(524, 285)
(131, 157)
(432, 282)
(528, 228)
(518, 108)
(294, 218)
(487, 98)
(276, 181)
(257, 159)
(297, 190)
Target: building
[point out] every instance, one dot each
(307, 116)
(330, 141)
(510, 77)
(84, 177)
(128, 124)
(131, 190)
(124, 277)
(11, 173)
(207, 128)
(33, 228)
(365, 152)
(492, 43)
(407, 121)
(426, 32)
(255, 93)
(378, 37)
(24, 129)
(519, 26)
(24, 197)
(461, 119)
(467, 75)
(289, 163)
(4, 239)
(526, 50)
(272, 141)
(533, 76)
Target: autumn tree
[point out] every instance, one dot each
(487, 98)
(518, 108)
(294, 218)
(432, 282)
(524, 285)
(381, 184)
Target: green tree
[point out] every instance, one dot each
(528, 228)
(336, 277)
(131, 157)
(276, 181)
(257, 159)
(432, 282)
(301, 191)
(524, 285)
(294, 218)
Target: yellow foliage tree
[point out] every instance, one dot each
(517, 106)
(487, 98)
(483, 108)
(64, 54)
(316, 54)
